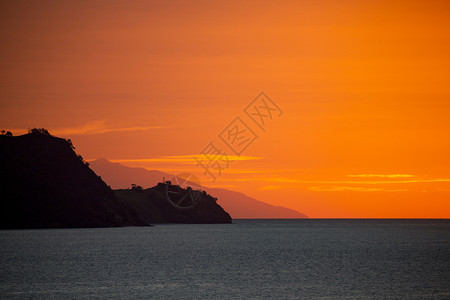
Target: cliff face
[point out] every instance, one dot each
(44, 184)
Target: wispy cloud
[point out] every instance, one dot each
(374, 182)
(352, 189)
(181, 159)
(97, 127)
(242, 171)
(382, 176)
(93, 127)
(277, 187)
(224, 186)
(333, 188)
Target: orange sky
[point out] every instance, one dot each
(364, 87)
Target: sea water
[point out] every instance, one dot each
(250, 259)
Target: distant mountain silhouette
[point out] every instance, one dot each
(241, 206)
(119, 176)
(238, 205)
(45, 184)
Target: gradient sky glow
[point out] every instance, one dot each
(364, 87)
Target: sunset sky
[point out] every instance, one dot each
(363, 89)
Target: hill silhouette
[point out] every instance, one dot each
(45, 184)
(152, 206)
(238, 205)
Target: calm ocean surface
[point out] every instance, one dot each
(281, 259)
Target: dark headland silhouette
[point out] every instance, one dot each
(45, 184)
(238, 205)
